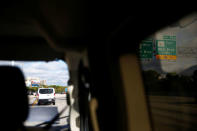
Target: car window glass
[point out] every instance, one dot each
(46, 91)
(169, 68)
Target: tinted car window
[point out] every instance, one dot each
(46, 91)
(169, 69)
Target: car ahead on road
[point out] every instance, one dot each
(46, 95)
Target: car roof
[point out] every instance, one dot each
(29, 27)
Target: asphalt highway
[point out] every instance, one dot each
(43, 113)
(170, 113)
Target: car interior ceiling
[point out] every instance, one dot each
(47, 30)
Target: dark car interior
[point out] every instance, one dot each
(20, 114)
(99, 40)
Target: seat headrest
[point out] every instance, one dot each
(13, 94)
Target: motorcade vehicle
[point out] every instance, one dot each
(46, 95)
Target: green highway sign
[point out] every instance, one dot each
(166, 48)
(146, 49)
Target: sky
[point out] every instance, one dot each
(54, 72)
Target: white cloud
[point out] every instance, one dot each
(54, 72)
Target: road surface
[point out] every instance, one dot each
(42, 113)
(168, 113)
(173, 113)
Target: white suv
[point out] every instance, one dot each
(46, 95)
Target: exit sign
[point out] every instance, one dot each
(166, 48)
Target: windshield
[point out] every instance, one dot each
(46, 91)
(45, 78)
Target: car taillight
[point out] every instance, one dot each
(54, 94)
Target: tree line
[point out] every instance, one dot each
(170, 84)
(58, 89)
